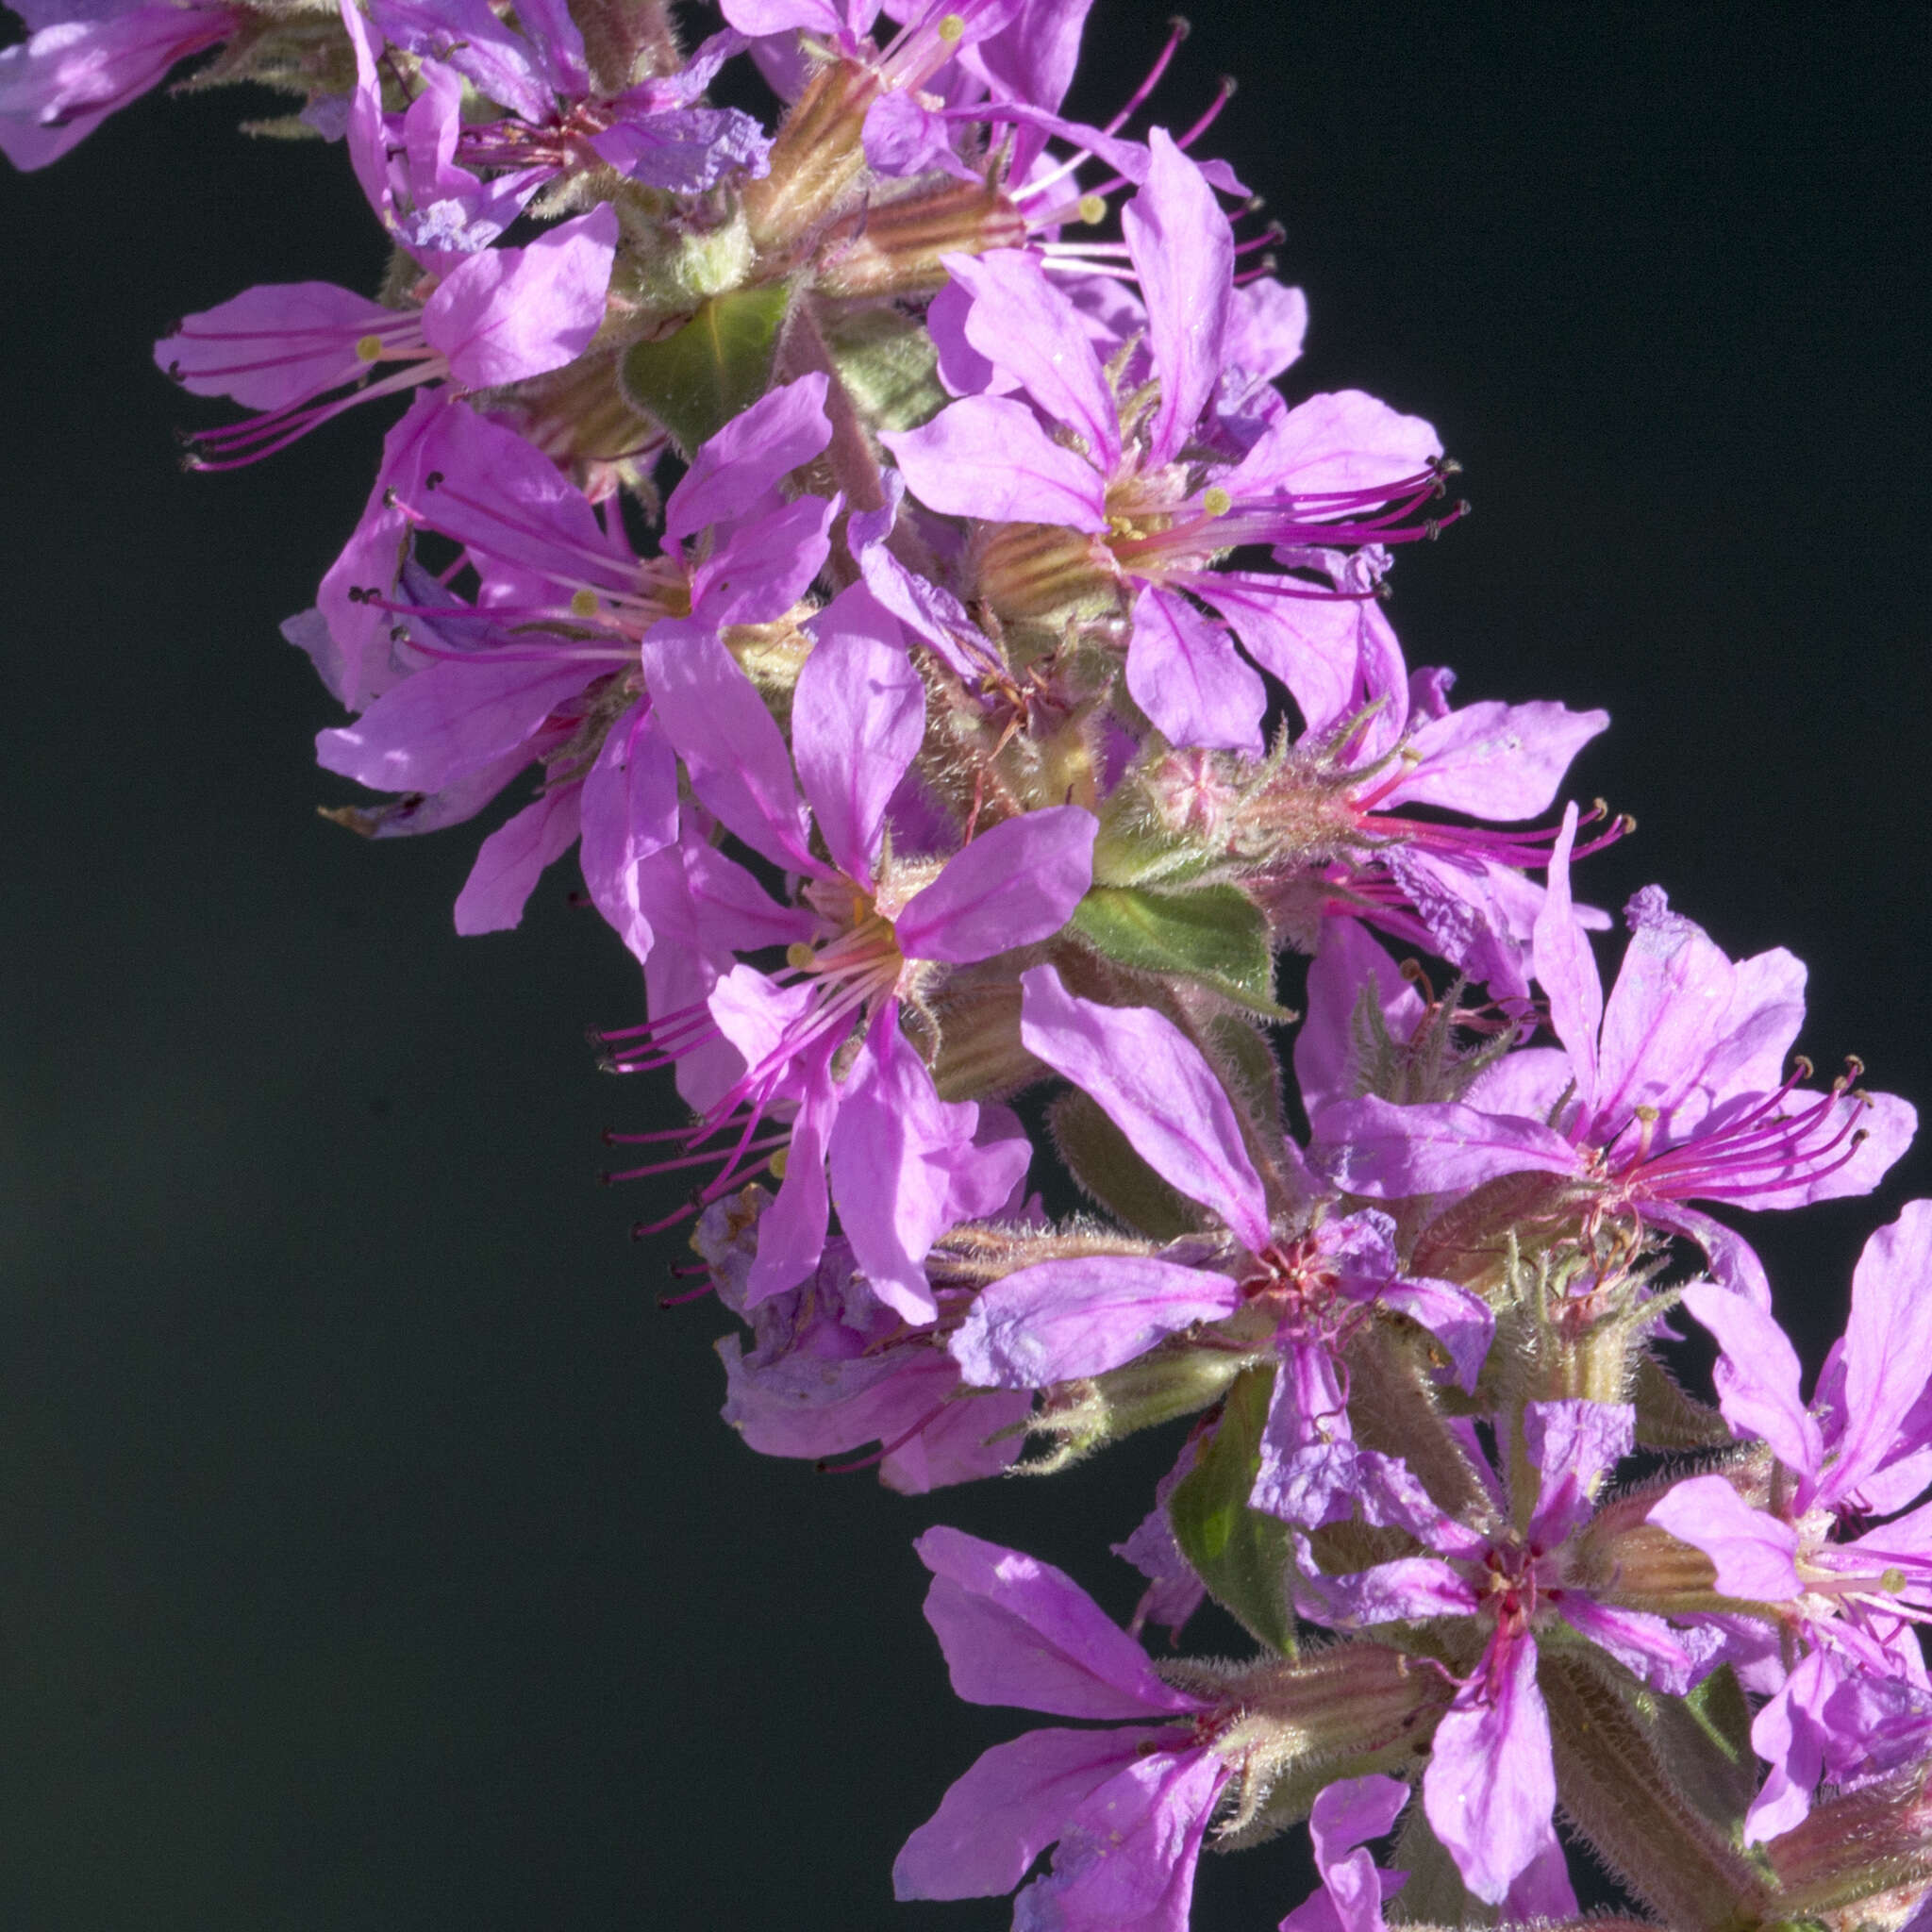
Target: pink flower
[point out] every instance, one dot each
(1128, 1807)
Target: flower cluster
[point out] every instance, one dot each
(963, 673)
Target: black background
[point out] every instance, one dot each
(370, 1553)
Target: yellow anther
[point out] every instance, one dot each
(776, 1164)
(1216, 501)
(1892, 1581)
(952, 29)
(798, 955)
(369, 349)
(1092, 207)
(583, 603)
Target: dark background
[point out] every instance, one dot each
(370, 1553)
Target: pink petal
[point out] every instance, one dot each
(1058, 1320)
(893, 1150)
(988, 457)
(629, 811)
(1015, 885)
(1027, 328)
(447, 720)
(511, 859)
(1753, 1552)
(1887, 1351)
(857, 716)
(1186, 675)
(273, 344)
(998, 1820)
(1371, 1146)
(508, 313)
(750, 456)
(729, 742)
(1157, 1089)
(1494, 760)
(1567, 969)
(1182, 250)
(1491, 1785)
(1018, 1631)
(1758, 1376)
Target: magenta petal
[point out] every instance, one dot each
(1349, 966)
(858, 715)
(729, 742)
(1494, 760)
(1567, 969)
(1753, 1552)
(1030, 330)
(1021, 1632)
(1126, 1859)
(893, 1152)
(1461, 1321)
(791, 1231)
(1013, 886)
(987, 457)
(1734, 1262)
(1575, 1445)
(1312, 643)
(1410, 1589)
(1157, 1089)
(511, 859)
(508, 313)
(1058, 1320)
(1888, 1350)
(629, 811)
(1183, 253)
(763, 565)
(1644, 1644)
(1344, 441)
(1345, 1815)
(1371, 1146)
(1185, 673)
(274, 344)
(1668, 1016)
(1491, 1784)
(447, 720)
(1758, 1375)
(750, 456)
(997, 1819)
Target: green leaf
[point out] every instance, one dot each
(1242, 1554)
(890, 367)
(1704, 1736)
(719, 363)
(1215, 936)
(1105, 1163)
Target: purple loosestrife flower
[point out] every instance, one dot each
(831, 1368)
(1115, 503)
(655, 131)
(1301, 1290)
(1858, 1699)
(500, 315)
(1669, 1093)
(822, 1040)
(1491, 1784)
(1128, 1806)
(85, 59)
(545, 665)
